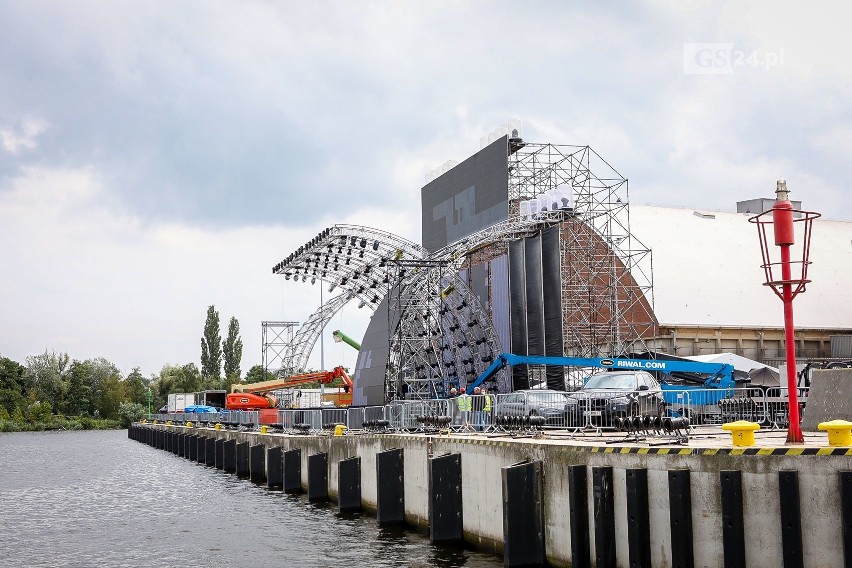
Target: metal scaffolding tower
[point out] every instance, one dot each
(607, 282)
(277, 339)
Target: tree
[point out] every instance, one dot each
(94, 386)
(177, 379)
(211, 346)
(12, 384)
(79, 395)
(232, 350)
(136, 385)
(257, 374)
(47, 374)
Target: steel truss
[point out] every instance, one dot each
(295, 358)
(277, 337)
(607, 280)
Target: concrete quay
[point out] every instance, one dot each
(565, 500)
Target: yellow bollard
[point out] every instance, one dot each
(263, 429)
(339, 430)
(742, 432)
(217, 426)
(839, 432)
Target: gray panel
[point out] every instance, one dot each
(369, 378)
(535, 296)
(469, 197)
(551, 272)
(478, 284)
(518, 312)
(500, 301)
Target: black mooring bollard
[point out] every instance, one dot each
(390, 488)
(318, 477)
(293, 471)
(349, 485)
(445, 498)
(523, 520)
(274, 468)
(257, 463)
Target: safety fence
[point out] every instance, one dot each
(577, 411)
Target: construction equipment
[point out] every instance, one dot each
(256, 396)
(721, 375)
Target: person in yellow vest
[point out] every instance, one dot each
(463, 402)
(486, 409)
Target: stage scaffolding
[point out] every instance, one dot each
(440, 334)
(607, 281)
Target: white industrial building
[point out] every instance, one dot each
(708, 287)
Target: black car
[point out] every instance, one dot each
(608, 395)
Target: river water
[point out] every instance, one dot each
(94, 499)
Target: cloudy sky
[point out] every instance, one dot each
(159, 157)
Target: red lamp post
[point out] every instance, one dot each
(788, 286)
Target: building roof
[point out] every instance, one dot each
(706, 268)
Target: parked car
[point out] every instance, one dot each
(551, 404)
(608, 395)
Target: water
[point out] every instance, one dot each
(99, 499)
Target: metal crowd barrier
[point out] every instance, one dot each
(563, 411)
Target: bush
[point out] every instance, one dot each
(129, 412)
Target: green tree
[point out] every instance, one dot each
(174, 378)
(135, 386)
(232, 351)
(94, 387)
(79, 397)
(48, 375)
(211, 346)
(257, 374)
(13, 384)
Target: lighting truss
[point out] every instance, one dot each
(352, 259)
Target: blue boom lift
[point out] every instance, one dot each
(720, 376)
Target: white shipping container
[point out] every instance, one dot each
(179, 401)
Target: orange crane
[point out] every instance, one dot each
(255, 396)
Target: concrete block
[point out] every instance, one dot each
(830, 398)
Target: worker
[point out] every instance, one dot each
(486, 409)
(463, 404)
(477, 405)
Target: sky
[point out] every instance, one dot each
(160, 157)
